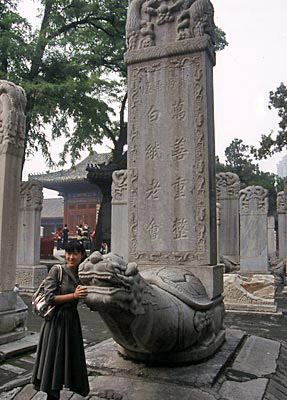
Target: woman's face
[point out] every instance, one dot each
(73, 259)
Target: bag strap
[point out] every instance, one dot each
(60, 274)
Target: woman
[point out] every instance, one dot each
(60, 359)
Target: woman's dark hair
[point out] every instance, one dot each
(76, 246)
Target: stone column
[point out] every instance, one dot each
(13, 311)
(171, 161)
(119, 241)
(227, 193)
(271, 239)
(218, 221)
(281, 212)
(253, 202)
(29, 272)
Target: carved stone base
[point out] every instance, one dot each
(29, 277)
(249, 293)
(13, 321)
(194, 355)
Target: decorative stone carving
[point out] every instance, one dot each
(253, 199)
(162, 315)
(190, 19)
(13, 311)
(281, 202)
(227, 185)
(31, 195)
(119, 185)
(12, 118)
(249, 293)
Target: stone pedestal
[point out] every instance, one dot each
(253, 229)
(13, 311)
(281, 212)
(227, 195)
(29, 272)
(119, 241)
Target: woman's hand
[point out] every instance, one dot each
(80, 292)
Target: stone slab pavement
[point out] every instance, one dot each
(250, 365)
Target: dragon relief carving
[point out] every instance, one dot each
(160, 315)
(227, 183)
(31, 195)
(193, 18)
(253, 199)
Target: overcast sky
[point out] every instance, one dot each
(254, 63)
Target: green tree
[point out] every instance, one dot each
(72, 70)
(270, 144)
(239, 160)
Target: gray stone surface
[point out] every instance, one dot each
(119, 388)
(119, 240)
(227, 195)
(251, 390)
(271, 238)
(253, 229)
(12, 134)
(21, 346)
(258, 356)
(105, 358)
(281, 213)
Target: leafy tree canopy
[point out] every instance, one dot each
(72, 70)
(270, 144)
(239, 160)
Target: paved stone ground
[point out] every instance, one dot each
(251, 365)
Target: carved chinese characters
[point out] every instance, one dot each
(169, 211)
(253, 202)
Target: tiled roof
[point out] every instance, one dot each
(76, 173)
(53, 208)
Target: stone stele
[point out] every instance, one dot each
(13, 311)
(29, 271)
(166, 304)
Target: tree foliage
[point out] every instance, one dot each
(239, 160)
(270, 144)
(71, 67)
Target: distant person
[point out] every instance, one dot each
(65, 236)
(60, 360)
(104, 248)
(80, 232)
(58, 237)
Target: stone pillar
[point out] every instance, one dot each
(13, 311)
(227, 193)
(271, 239)
(119, 241)
(171, 161)
(218, 216)
(253, 202)
(281, 212)
(29, 272)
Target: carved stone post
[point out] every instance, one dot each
(218, 222)
(281, 212)
(227, 193)
(13, 311)
(29, 272)
(119, 243)
(271, 239)
(172, 204)
(253, 229)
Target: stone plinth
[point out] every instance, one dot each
(29, 272)
(227, 195)
(119, 239)
(281, 212)
(253, 293)
(12, 135)
(253, 202)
